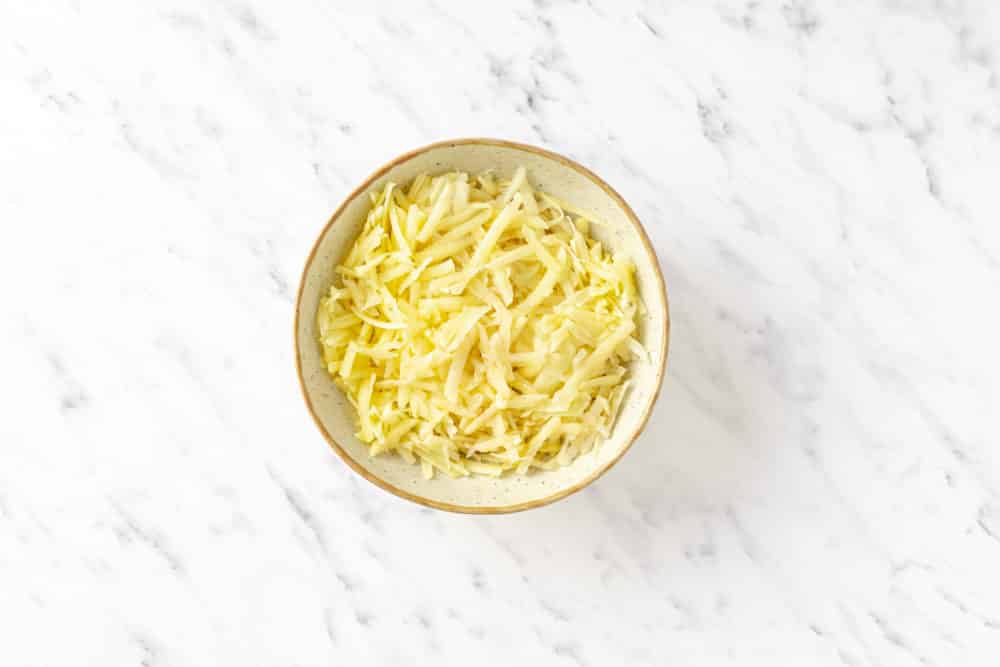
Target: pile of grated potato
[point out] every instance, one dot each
(478, 328)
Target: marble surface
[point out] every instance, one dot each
(820, 482)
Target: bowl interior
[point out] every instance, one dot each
(548, 172)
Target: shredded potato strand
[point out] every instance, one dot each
(478, 329)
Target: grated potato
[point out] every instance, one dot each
(477, 328)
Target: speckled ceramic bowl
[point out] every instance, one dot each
(549, 172)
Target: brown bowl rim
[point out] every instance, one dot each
(473, 509)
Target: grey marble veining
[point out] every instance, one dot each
(819, 483)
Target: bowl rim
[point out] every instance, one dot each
(475, 509)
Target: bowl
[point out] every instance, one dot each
(622, 231)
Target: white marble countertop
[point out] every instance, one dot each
(820, 482)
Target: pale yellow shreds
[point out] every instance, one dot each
(478, 328)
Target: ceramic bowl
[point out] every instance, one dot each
(622, 231)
